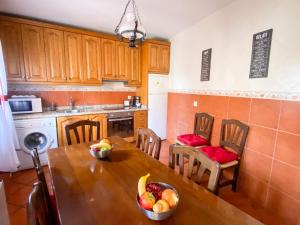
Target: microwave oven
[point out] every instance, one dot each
(25, 104)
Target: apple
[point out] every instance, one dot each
(170, 196)
(161, 206)
(147, 200)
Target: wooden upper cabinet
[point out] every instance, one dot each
(153, 58)
(108, 58)
(121, 56)
(158, 58)
(34, 53)
(55, 58)
(11, 40)
(164, 59)
(91, 59)
(134, 66)
(73, 56)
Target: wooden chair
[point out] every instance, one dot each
(148, 142)
(37, 209)
(203, 124)
(232, 142)
(83, 124)
(49, 200)
(191, 156)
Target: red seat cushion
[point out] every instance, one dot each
(219, 154)
(192, 140)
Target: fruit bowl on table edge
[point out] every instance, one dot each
(101, 154)
(162, 215)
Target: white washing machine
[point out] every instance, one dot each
(35, 133)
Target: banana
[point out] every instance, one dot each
(142, 184)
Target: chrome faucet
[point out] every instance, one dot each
(70, 103)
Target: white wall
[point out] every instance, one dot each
(229, 33)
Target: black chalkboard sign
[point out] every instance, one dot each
(205, 66)
(261, 48)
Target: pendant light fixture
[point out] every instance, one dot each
(130, 26)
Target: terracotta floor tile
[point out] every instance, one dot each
(25, 177)
(12, 208)
(20, 197)
(19, 217)
(13, 187)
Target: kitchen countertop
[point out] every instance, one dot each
(84, 110)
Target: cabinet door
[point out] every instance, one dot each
(103, 124)
(108, 59)
(164, 59)
(61, 123)
(73, 55)
(134, 66)
(55, 59)
(140, 120)
(153, 58)
(121, 58)
(11, 40)
(34, 53)
(91, 59)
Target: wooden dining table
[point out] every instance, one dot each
(90, 191)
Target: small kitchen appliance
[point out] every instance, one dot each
(136, 101)
(25, 104)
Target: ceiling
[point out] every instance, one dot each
(161, 18)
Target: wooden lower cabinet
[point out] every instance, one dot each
(102, 118)
(140, 120)
(63, 121)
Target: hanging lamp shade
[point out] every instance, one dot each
(130, 26)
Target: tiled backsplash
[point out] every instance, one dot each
(108, 93)
(61, 98)
(270, 168)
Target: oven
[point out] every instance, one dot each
(120, 124)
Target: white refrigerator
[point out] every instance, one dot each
(158, 104)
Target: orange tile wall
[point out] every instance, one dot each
(60, 98)
(270, 168)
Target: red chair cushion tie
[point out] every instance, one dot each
(219, 154)
(192, 140)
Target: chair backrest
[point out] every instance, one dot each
(183, 154)
(203, 125)
(148, 142)
(233, 135)
(37, 209)
(83, 124)
(42, 180)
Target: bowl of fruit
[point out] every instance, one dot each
(158, 200)
(102, 149)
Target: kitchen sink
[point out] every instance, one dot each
(70, 111)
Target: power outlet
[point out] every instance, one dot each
(195, 104)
